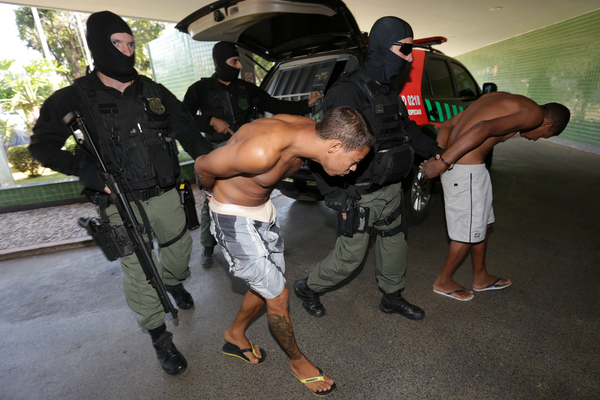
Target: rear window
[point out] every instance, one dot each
(300, 78)
(295, 81)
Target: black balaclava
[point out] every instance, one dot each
(382, 64)
(107, 58)
(222, 52)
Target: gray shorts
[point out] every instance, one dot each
(468, 202)
(254, 251)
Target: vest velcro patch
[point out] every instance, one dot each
(243, 103)
(156, 105)
(108, 108)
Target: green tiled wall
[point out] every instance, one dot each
(178, 61)
(39, 192)
(20, 195)
(559, 63)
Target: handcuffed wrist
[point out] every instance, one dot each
(448, 166)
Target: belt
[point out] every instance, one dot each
(146, 194)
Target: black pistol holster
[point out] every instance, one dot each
(186, 197)
(357, 217)
(113, 240)
(357, 220)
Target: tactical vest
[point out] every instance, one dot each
(392, 156)
(134, 139)
(223, 103)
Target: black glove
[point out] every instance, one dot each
(340, 200)
(90, 178)
(337, 200)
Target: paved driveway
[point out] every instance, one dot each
(67, 332)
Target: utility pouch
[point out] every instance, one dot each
(161, 159)
(113, 240)
(168, 141)
(186, 197)
(393, 164)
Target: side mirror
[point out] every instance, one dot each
(489, 87)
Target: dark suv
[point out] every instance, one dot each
(312, 43)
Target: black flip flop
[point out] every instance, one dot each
(234, 351)
(324, 393)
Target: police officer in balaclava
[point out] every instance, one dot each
(227, 62)
(131, 120)
(374, 190)
(112, 45)
(114, 56)
(221, 104)
(390, 49)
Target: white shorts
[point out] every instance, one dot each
(468, 201)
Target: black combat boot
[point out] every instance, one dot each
(395, 303)
(310, 298)
(171, 360)
(182, 297)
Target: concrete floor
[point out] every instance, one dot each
(67, 332)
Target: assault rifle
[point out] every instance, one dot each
(117, 242)
(229, 113)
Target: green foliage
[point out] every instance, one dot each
(262, 68)
(60, 29)
(30, 91)
(70, 145)
(45, 177)
(144, 32)
(21, 159)
(6, 92)
(7, 131)
(62, 33)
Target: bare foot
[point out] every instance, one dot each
(242, 342)
(490, 282)
(304, 369)
(451, 286)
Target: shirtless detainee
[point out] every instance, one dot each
(242, 175)
(468, 138)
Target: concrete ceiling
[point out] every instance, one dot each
(468, 24)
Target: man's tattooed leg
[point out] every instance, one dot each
(282, 328)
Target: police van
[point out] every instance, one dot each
(312, 43)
